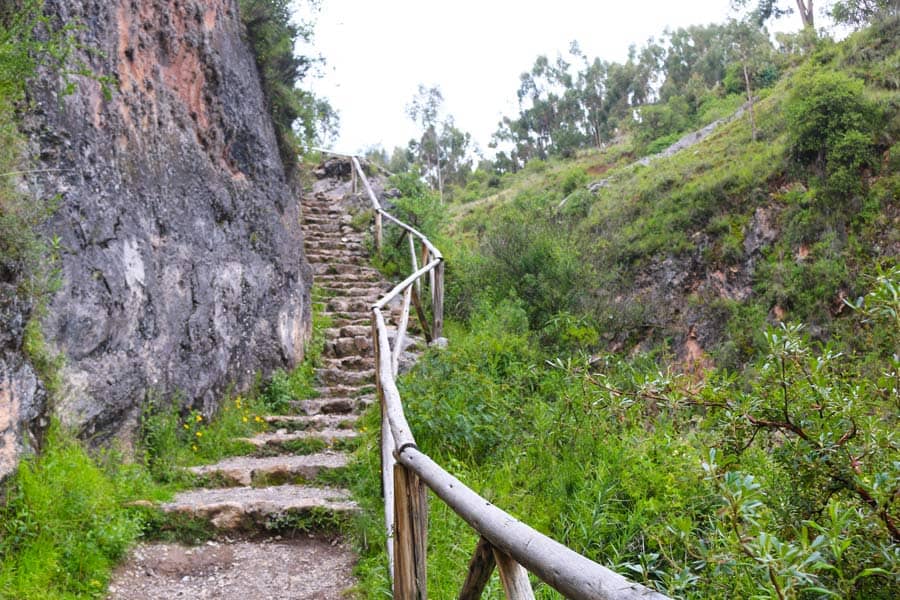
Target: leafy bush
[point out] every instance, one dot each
(572, 180)
(663, 120)
(421, 208)
(62, 528)
(830, 125)
(777, 483)
(529, 257)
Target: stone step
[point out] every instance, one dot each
(349, 363)
(347, 265)
(351, 318)
(262, 508)
(344, 305)
(332, 216)
(341, 376)
(313, 247)
(270, 470)
(347, 346)
(341, 321)
(334, 244)
(361, 292)
(314, 257)
(355, 331)
(319, 422)
(344, 391)
(340, 405)
(362, 274)
(321, 210)
(301, 442)
(350, 283)
(330, 226)
(342, 270)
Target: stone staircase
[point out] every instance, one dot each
(278, 488)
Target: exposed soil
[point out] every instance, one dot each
(267, 569)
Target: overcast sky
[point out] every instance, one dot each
(378, 52)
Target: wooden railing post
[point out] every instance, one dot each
(401, 331)
(378, 227)
(388, 462)
(411, 529)
(437, 301)
(514, 577)
(480, 568)
(426, 258)
(415, 262)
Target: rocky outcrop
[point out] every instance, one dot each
(21, 399)
(182, 264)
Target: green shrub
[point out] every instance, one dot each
(830, 126)
(660, 144)
(419, 207)
(572, 180)
(62, 525)
(529, 257)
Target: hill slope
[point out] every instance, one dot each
(700, 248)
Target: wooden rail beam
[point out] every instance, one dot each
(401, 433)
(566, 571)
(388, 462)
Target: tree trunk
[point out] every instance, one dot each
(806, 13)
(750, 102)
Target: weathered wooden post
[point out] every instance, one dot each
(480, 568)
(378, 227)
(411, 530)
(415, 262)
(437, 300)
(514, 577)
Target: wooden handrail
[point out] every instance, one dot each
(505, 543)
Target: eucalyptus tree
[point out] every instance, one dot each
(443, 149)
(424, 110)
(862, 12)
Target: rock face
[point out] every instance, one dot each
(21, 400)
(181, 251)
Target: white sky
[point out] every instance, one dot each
(378, 52)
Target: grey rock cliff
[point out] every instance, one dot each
(182, 260)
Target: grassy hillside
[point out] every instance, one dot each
(718, 237)
(689, 374)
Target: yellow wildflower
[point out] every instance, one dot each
(186, 426)
(244, 419)
(194, 447)
(258, 419)
(199, 434)
(199, 418)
